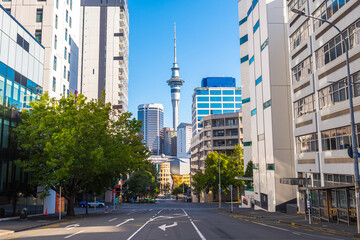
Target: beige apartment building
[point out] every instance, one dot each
(55, 24)
(220, 132)
(321, 119)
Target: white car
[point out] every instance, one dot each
(97, 204)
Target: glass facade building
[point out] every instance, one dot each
(21, 77)
(214, 100)
(152, 118)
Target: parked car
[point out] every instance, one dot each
(92, 204)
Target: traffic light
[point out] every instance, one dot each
(117, 190)
(350, 152)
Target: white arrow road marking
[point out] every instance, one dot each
(112, 219)
(127, 220)
(74, 234)
(164, 227)
(72, 226)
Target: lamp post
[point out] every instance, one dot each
(352, 118)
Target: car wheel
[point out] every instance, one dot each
(101, 206)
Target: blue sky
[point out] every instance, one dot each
(207, 46)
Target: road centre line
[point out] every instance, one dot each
(112, 219)
(74, 234)
(197, 230)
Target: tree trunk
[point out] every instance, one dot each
(70, 207)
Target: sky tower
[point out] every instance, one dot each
(175, 82)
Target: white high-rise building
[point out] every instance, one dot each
(184, 134)
(104, 51)
(55, 24)
(266, 101)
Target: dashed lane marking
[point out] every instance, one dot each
(74, 234)
(112, 219)
(196, 229)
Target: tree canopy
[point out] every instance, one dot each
(230, 167)
(141, 180)
(78, 144)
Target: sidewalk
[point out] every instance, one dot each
(295, 220)
(17, 225)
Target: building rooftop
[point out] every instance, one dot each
(218, 82)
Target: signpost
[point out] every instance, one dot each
(231, 192)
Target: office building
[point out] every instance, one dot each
(321, 119)
(21, 79)
(266, 100)
(168, 138)
(215, 96)
(181, 179)
(184, 134)
(166, 181)
(175, 83)
(220, 132)
(55, 24)
(104, 51)
(152, 118)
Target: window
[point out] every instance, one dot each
(64, 74)
(244, 59)
(68, 76)
(70, 4)
(54, 63)
(251, 60)
(215, 105)
(297, 4)
(203, 99)
(242, 21)
(326, 10)
(238, 92)
(215, 92)
(228, 92)
(38, 35)
(69, 57)
(57, 4)
(253, 112)
(203, 112)
(203, 105)
(55, 42)
(307, 143)
(304, 106)
(54, 84)
(65, 53)
(263, 46)
(256, 26)
(336, 47)
(258, 81)
(300, 35)
(67, 93)
(67, 16)
(39, 15)
(247, 144)
(70, 21)
(66, 34)
(246, 100)
(202, 92)
(69, 40)
(302, 70)
(228, 99)
(336, 139)
(267, 104)
(270, 166)
(56, 21)
(228, 105)
(243, 39)
(64, 89)
(215, 99)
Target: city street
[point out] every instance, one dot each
(169, 220)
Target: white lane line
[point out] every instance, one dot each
(72, 226)
(131, 213)
(74, 234)
(151, 219)
(197, 230)
(112, 219)
(127, 220)
(297, 233)
(150, 210)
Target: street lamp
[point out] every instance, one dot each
(354, 143)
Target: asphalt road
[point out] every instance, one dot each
(168, 220)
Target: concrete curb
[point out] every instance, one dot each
(321, 229)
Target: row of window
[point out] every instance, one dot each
(218, 99)
(334, 139)
(218, 92)
(300, 35)
(302, 70)
(219, 105)
(328, 96)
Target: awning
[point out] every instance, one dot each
(329, 187)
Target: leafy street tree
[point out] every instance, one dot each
(177, 191)
(230, 167)
(249, 173)
(142, 179)
(76, 144)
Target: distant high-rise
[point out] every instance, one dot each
(217, 95)
(152, 118)
(104, 51)
(168, 141)
(184, 140)
(175, 82)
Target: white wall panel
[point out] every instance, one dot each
(31, 67)
(12, 54)
(25, 62)
(13, 30)
(6, 24)
(32, 44)
(18, 60)
(4, 53)
(36, 71)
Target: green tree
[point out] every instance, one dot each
(177, 191)
(249, 173)
(139, 182)
(78, 144)
(199, 183)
